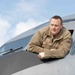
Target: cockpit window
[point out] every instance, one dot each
(71, 31)
(72, 52)
(14, 45)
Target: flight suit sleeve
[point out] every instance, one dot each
(63, 49)
(35, 43)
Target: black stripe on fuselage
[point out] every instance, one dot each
(18, 61)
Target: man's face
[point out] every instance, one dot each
(55, 26)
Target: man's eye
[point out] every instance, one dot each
(51, 24)
(56, 25)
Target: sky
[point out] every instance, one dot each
(18, 16)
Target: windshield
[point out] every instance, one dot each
(15, 45)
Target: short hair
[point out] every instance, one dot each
(57, 17)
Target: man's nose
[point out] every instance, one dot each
(53, 26)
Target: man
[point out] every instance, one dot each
(52, 41)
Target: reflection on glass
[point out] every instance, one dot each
(73, 49)
(18, 44)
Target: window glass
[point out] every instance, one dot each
(15, 45)
(72, 52)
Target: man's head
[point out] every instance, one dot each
(55, 25)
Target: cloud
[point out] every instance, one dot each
(20, 13)
(24, 26)
(7, 31)
(24, 6)
(29, 7)
(4, 30)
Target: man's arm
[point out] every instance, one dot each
(35, 43)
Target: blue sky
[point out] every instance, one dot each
(17, 16)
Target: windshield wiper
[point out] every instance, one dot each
(11, 50)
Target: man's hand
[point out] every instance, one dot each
(41, 55)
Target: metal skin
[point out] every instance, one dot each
(15, 60)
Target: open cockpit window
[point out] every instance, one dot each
(71, 31)
(72, 51)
